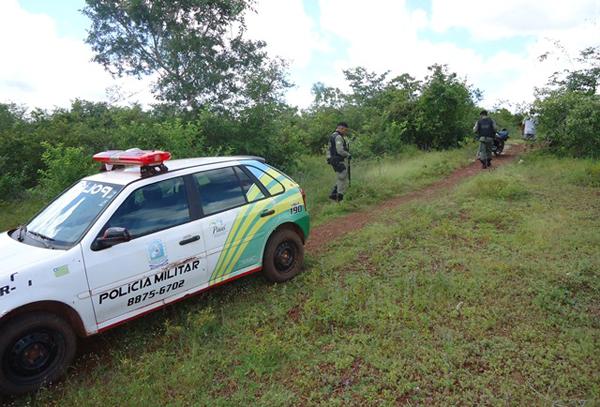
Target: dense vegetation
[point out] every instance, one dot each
(569, 108)
(52, 149)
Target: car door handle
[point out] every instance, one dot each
(267, 213)
(189, 240)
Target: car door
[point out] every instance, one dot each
(164, 258)
(231, 203)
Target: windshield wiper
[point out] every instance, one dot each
(40, 235)
(43, 237)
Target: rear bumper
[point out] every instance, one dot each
(304, 224)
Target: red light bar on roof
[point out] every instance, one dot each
(133, 156)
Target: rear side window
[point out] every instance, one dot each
(219, 189)
(251, 189)
(270, 183)
(152, 208)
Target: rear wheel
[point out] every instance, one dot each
(36, 349)
(499, 148)
(284, 256)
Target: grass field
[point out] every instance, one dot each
(486, 295)
(375, 180)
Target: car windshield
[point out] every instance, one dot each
(64, 221)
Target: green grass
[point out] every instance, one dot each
(480, 296)
(375, 180)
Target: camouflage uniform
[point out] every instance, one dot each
(337, 153)
(486, 130)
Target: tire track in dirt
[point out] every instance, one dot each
(322, 235)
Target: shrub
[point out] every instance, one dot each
(570, 122)
(443, 111)
(589, 176)
(64, 165)
(497, 186)
(11, 186)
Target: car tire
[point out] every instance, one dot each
(284, 256)
(35, 349)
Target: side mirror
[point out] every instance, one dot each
(111, 237)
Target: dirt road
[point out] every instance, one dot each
(321, 235)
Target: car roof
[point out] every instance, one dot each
(128, 174)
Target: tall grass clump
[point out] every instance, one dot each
(499, 185)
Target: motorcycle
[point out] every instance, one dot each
(499, 139)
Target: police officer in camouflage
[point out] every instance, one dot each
(337, 154)
(485, 128)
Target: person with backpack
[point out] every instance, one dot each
(485, 128)
(337, 153)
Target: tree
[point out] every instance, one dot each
(365, 85)
(196, 48)
(569, 108)
(443, 110)
(326, 96)
(585, 78)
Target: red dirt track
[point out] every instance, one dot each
(321, 235)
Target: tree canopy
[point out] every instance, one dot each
(195, 48)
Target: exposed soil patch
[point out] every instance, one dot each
(321, 235)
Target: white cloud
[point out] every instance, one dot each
(376, 32)
(291, 34)
(383, 35)
(512, 76)
(42, 69)
(487, 19)
(286, 28)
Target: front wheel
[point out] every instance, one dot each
(284, 256)
(36, 349)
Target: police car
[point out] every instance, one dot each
(139, 235)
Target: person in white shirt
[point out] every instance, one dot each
(529, 125)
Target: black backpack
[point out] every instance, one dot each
(485, 127)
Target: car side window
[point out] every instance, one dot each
(152, 208)
(249, 186)
(219, 190)
(268, 180)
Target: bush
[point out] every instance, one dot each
(570, 122)
(64, 166)
(11, 186)
(589, 176)
(444, 109)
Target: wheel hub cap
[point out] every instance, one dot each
(284, 256)
(32, 353)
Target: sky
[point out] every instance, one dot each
(493, 45)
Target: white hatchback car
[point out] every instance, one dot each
(132, 239)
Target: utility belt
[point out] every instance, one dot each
(337, 162)
(484, 139)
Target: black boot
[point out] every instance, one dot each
(489, 162)
(483, 164)
(333, 195)
(340, 197)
